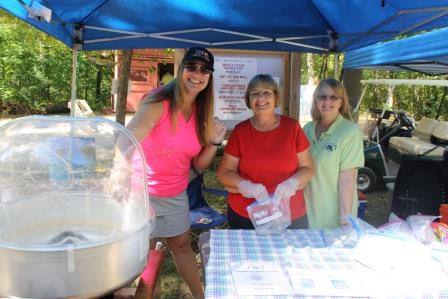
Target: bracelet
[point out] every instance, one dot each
(216, 143)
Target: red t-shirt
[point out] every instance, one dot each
(268, 158)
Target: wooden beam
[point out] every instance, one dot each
(295, 82)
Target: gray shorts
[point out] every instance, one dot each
(172, 215)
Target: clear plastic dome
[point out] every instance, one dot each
(76, 181)
(70, 184)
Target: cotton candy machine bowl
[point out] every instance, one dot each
(74, 255)
(63, 231)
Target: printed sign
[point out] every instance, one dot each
(231, 76)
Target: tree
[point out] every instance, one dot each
(352, 82)
(35, 69)
(120, 117)
(310, 66)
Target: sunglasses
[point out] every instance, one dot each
(261, 93)
(193, 67)
(323, 97)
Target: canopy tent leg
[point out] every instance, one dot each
(74, 81)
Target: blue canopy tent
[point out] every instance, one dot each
(425, 53)
(277, 25)
(317, 26)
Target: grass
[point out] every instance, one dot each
(172, 285)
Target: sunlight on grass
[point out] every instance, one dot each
(172, 285)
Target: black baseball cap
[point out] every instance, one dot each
(199, 54)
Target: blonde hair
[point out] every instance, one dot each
(175, 91)
(339, 90)
(262, 81)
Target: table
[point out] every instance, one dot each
(295, 249)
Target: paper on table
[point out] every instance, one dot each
(259, 278)
(385, 253)
(326, 283)
(401, 266)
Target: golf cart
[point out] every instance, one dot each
(395, 138)
(377, 166)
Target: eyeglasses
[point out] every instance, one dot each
(323, 97)
(261, 93)
(193, 67)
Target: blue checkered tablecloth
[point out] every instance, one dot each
(303, 249)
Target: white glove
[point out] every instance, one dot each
(118, 183)
(286, 189)
(344, 221)
(251, 190)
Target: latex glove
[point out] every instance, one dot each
(118, 183)
(344, 221)
(251, 190)
(219, 131)
(286, 189)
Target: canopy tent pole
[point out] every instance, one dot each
(74, 80)
(406, 82)
(169, 35)
(373, 30)
(75, 48)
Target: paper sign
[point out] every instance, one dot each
(231, 76)
(259, 278)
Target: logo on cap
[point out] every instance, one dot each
(202, 54)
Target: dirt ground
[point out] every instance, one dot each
(378, 207)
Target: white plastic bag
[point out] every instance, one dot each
(348, 236)
(397, 228)
(421, 227)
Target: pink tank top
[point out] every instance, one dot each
(169, 152)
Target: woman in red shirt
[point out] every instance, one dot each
(266, 154)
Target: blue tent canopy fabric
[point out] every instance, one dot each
(317, 26)
(425, 53)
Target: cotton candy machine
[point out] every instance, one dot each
(74, 211)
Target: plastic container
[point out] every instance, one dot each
(444, 213)
(74, 211)
(270, 216)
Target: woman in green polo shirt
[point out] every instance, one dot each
(337, 149)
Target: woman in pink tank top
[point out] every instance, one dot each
(176, 128)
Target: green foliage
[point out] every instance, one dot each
(418, 101)
(323, 67)
(35, 69)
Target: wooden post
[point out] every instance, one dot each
(294, 79)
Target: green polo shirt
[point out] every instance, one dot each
(338, 149)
